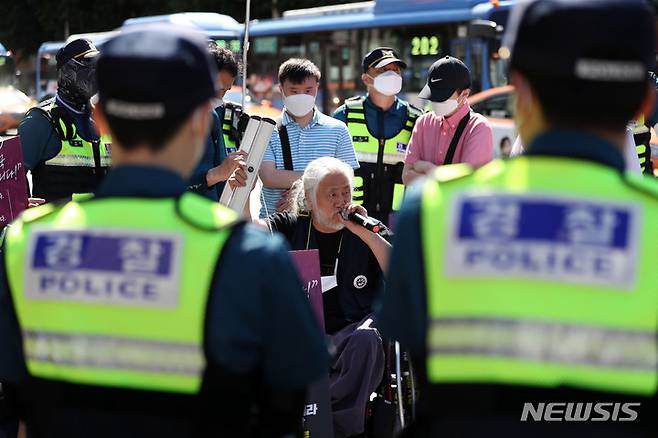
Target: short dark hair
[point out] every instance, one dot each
(153, 133)
(574, 103)
(297, 70)
(225, 59)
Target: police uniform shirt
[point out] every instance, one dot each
(359, 275)
(248, 329)
(40, 141)
(406, 294)
(382, 124)
(213, 155)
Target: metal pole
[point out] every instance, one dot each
(245, 49)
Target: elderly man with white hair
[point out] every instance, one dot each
(353, 261)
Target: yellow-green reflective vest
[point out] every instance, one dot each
(78, 167)
(78, 152)
(642, 137)
(367, 145)
(231, 111)
(541, 281)
(113, 291)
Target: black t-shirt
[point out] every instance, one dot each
(328, 245)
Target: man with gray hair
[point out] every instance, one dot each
(353, 261)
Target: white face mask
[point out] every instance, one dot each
(388, 83)
(444, 108)
(299, 104)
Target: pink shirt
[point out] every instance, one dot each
(432, 135)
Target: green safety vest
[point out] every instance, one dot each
(231, 112)
(79, 165)
(642, 137)
(78, 152)
(112, 292)
(367, 146)
(515, 298)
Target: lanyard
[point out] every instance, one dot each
(340, 245)
(308, 238)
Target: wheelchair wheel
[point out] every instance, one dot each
(393, 405)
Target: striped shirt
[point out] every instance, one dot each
(324, 136)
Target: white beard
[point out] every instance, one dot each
(337, 226)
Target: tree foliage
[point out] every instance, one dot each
(25, 24)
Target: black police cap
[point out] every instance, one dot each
(79, 49)
(380, 57)
(595, 41)
(155, 73)
(444, 77)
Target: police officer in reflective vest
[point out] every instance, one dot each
(146, 310)
(61, 145)
(642, 138)
(642, 134)
(380, 125)
(526, 290)
(221, 155)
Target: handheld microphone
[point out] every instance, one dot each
(366, 222)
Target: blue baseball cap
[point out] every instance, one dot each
(592, 41)
(154, 73)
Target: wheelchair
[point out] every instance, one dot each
(393, 405)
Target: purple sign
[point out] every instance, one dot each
(308, 267)
(317, 411)
(13, 185)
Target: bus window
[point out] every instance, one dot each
(498, 71)
(7, 70)
(48, 77)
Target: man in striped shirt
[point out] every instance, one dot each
(310, 135)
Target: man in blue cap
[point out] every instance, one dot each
(61, 144)
(380, 124)
(149, 310)
(526, 290)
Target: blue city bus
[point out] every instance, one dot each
(222, 29)
(337, 37)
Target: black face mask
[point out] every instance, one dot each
(77, 82)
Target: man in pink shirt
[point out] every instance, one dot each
(451, 133)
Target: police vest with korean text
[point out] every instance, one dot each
(112, 292)
(378, 181)
(552, 284)
(79, 166)
(642, 137)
